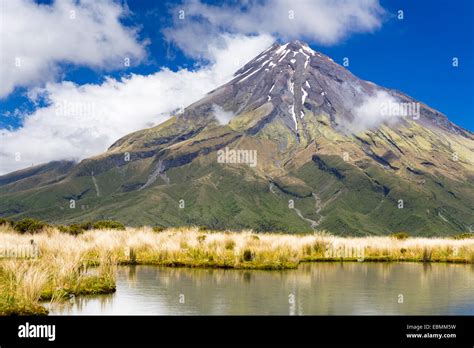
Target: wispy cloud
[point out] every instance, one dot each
(222, 116)
(374, 111)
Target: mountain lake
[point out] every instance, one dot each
(321, 288)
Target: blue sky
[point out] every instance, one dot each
(413, 55)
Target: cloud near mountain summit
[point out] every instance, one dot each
(79, 121)
(324, 21)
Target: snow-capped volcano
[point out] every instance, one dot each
(347, 152)
(294, 80)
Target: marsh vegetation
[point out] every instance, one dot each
(62, 265)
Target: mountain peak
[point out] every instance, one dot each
(297, 80)
(289, 109)
(296, 45)
(281, 55)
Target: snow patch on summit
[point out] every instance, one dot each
(283, 56)
(281, 49)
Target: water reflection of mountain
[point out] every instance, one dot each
(317, 288)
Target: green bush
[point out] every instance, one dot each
(86, 226)
(400, 235)
(464, 236)
(7, 222)
(29, 225)
(63, 228)
(74, 229)
(108, 224)
(248, 255)
(158, 229)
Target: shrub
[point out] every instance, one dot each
(63, 228)
(400, 235)
(86, 226)
(201, 238)
(248, 255)
(158, 229)
(7, 222)
(108, 224)
(464, 236)
(203, 228)
(74, 229)
(29, 225)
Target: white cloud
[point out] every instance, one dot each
(222, 116)
(323, 21)
(373, 111)
(82, 121)
(36, 38)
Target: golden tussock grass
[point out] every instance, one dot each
(84, 264)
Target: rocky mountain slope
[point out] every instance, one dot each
(294, 142)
